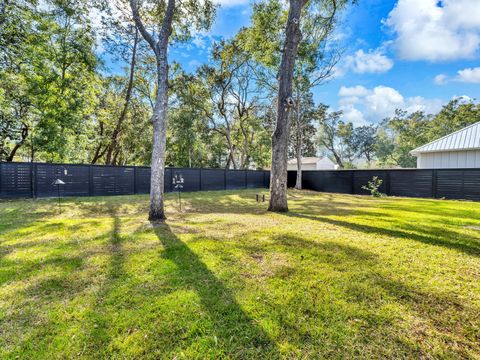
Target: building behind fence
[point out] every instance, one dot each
(36, 179)
(434, 183)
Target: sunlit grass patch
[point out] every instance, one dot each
(339, 276)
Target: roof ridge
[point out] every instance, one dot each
(416, 150)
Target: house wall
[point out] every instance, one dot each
(449, 160)
(325, 164)
(293, 167)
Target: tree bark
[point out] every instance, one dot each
(338, 159)
(159, 121)
(278, 174)
(128, 95)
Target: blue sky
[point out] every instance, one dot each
(412, 54)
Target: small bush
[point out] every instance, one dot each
(373, 186)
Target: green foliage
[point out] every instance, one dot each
(399, 135)
(48, 76)
(216, 118)
(373, 186)
(303, 130)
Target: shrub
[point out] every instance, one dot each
(373, 186)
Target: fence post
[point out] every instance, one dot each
(387, 183)
(352, 181)
(34, 181)
(134, 180)
(434, 184)
(31, 179)
(90, 180)
(225, 178)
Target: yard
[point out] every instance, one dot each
(340, 276)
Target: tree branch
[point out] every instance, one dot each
(141, 27)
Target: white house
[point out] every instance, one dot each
(460, 149)
(313, 163)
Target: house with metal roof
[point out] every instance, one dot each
(457, 150)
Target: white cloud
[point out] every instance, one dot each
(361, 105)
(382, 100)
(419, 103)
(353, 115)
(199, 41)
(436, 30)
(370, 62)
(471, 75)
(353, 91)
(440, 79)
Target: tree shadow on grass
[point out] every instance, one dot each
(235, 330)
(98, 324)
(446, 238)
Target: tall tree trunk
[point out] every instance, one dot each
(128, 95)
(159, 120)
(159, 117)
(278, 174)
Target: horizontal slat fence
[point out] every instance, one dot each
(425, 183)
(23, 180)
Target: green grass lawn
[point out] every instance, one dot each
(339, 276)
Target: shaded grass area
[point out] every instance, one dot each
(339, 276)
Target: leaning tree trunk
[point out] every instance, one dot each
(278, 175)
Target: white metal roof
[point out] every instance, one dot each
(306, 160)
(465, 139)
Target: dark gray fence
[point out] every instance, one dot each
(35, 179)
(437, 183)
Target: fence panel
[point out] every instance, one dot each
(113, 180)
(213, 179)
(142, 180)
(471, 184)
(75, 177)
(254, 179)
(361, 178)
(450, 184)
(413, 183)
(266, 179)
(192, 181)
(236, 179)
(328, 181)
(15, 180)
(426, 183)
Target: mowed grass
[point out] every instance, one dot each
(339, 276)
